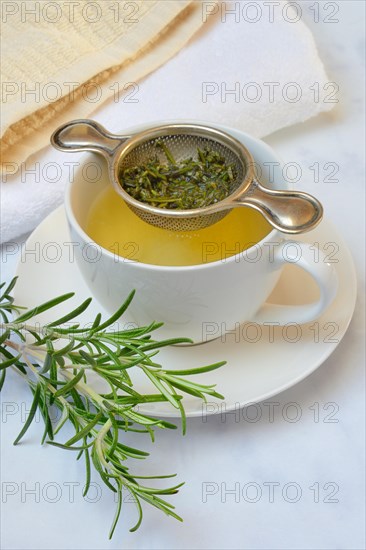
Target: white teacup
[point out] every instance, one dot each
(190, 300)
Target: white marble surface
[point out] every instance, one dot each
(307, 453)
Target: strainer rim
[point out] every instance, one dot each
(238, 148)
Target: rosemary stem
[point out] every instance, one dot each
(99, 443)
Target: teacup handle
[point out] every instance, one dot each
(322, 272)
(86, 135)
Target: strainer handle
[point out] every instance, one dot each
(288, 211)
(86, 135)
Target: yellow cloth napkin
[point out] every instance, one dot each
(54, 71)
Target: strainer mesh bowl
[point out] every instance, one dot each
(182, 146)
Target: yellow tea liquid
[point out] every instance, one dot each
(115, 227)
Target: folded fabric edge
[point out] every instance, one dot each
(40, 124)
(152, 24)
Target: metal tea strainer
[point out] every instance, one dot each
(288, 211)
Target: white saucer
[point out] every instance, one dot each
(261, 361)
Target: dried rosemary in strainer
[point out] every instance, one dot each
(184, 184)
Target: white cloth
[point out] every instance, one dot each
(257, 76)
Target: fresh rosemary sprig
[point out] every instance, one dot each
(55, 360)
(185, 184)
